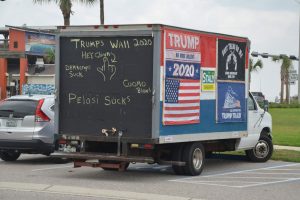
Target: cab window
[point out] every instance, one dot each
(251, 103)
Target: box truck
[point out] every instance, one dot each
(155, 94)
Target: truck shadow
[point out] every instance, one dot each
(136, 172)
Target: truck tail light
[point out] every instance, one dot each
(148, 146)
(40, 116)
(62, 141)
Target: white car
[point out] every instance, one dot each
(26, 126)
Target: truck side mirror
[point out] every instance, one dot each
(266, 105)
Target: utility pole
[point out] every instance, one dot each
(299, 59)
(102, 12)
(297, 1)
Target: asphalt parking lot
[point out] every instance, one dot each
(224, 177)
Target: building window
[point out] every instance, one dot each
(15, 44)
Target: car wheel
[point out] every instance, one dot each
(10, 155)
(262, 151)
(194, 157)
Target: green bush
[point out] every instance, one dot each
(284, 105)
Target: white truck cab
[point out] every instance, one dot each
(258, 144)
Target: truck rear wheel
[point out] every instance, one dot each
(10, 155)
(194, 156)
(262, 151)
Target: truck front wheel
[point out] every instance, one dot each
(194, 157)
(262, 151)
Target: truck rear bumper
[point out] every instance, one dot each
(99, 156)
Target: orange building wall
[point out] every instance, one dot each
(3, 70)
(16, 36)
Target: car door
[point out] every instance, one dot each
(254, 119)
(17, 119)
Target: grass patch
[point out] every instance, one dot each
(286, 155)
(284, 105)
(278, 154)
(286, 126)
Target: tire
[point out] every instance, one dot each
(262, 151)
(177, 156)
(194, 156)
(9, 155)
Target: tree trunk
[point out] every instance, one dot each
(287, 93)
(67, 21)
(281, 86)
(102, 12)
(66, 11)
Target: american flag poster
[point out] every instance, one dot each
(182, 102)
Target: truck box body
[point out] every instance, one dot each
(151, 84)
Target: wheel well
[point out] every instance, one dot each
(266, 132)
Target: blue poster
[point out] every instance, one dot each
(182, 70)
(231, 102)
(32, 89)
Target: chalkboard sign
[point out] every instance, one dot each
(106, 84)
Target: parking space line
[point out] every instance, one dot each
(225, 182)
(249, 181)
(253, 177)
(268, 183)
(212, 184)
(237, 172)
(272, 173)
(51, 168)
(291, 169)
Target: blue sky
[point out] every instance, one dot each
(271, 25)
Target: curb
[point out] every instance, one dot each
(287, 147)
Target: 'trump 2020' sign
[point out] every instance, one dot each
(182, 78)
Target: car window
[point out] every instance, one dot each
(251, 104)
(19, 108)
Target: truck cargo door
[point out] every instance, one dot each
(106, 86)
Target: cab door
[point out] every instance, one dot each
(254, 128)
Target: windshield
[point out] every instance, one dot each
(18, 108)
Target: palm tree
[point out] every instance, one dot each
(253, 67)
(286, 64)
(66, 7)
(49, 57)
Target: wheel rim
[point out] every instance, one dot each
(261, 149)
(197, 158)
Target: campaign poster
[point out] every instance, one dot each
(231, 102)
(208, 81)
(182, 78)
(39, 43)
(231, 60)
